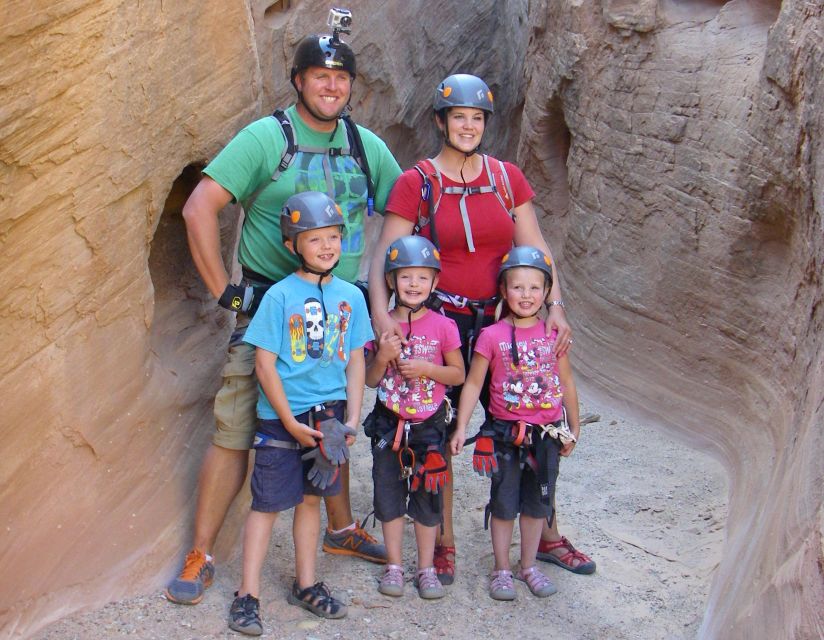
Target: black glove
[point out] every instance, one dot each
(333, 445)
(238, 297)
(322, 473)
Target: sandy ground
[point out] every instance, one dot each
(649, 510)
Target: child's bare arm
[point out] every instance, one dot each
(469, 398)
(570, 402)
(355, 374)
(450, 373)
(389, 349)
(272, 386)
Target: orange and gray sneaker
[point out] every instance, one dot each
(198, 573)
(354, 542)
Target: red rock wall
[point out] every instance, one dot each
(683, 141)
(112, 348)
(675, 148)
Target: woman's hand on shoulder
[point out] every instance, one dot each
(557, 320)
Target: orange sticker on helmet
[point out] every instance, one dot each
(447, 91)
(340, 211)
(505, 258)
(489, 95)
(437, 254)
(295, 216)
(393, 253)
(548, 261)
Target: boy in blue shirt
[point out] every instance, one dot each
(309, 331)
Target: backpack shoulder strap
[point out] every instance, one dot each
(431, 189)
(359, 154)
(499, 181)
(288, 133)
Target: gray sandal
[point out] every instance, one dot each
(317, 599)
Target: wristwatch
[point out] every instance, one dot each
(554, 303)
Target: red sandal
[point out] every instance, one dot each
(445, 563)
(585, 564)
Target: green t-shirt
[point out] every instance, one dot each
(250, 159)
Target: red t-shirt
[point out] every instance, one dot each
(473, 275)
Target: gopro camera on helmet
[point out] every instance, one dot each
(340, 20)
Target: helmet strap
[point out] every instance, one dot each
(412, 310)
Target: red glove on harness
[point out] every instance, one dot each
(433, 472)
(483, 460)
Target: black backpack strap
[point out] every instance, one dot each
(285, 159)
(358, 152)
(289, 136)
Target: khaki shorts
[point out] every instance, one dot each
(236, 401)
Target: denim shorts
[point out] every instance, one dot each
(516, 490)
(279, 478)
(393, 499)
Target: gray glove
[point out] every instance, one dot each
(333, 445)
(322, 473)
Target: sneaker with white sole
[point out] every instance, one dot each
(354, 542)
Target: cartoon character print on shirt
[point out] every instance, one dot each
(348, 186)
(408, 398)
(313, 312)
(532, 383)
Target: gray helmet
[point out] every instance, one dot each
(323, 51)
(526, 257)
(463, 90)
(411, 251)
(308, 210)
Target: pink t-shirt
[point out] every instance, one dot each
(530, 390)
(432, 336)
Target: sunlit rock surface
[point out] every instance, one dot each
(676, 151)
(681, 141)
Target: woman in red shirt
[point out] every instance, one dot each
(473, 208)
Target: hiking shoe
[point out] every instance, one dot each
(429, 587)
(501, 587)
(354, 542)
(198, 573)
(317, 599)
(244, 615)
(538, 583)
(391, 583)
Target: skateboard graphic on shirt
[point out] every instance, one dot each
(297, 337)
(331, 340)
(345, 314)
(313, 312)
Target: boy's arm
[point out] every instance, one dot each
(469, 398)
(272, 386)
(355, 374)
(570, 402)
(389, 348)
(450, 373)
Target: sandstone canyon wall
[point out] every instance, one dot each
(676, 151)
(681, 142)
(112, 347)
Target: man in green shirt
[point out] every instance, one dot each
(260, 169)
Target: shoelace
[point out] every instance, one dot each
(193, 565)
(362, 533)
